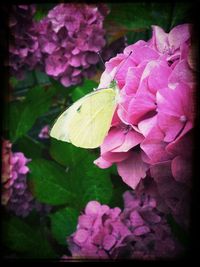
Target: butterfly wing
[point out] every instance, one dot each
(86, 123)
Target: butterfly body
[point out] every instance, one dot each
(86, 123)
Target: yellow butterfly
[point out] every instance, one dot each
(86, 123)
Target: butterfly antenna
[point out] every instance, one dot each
(101, 58)
(122, 65)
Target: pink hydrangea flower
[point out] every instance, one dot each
(151, 236)
(156, 105)
(173, 45)
(16, 196)
(69, 39)
(23, 41)
(99, 230)
(44, 133)
(139, 231)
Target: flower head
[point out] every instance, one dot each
(69, 39)
(99, 230)
(156, 103)
(23, 44)
(16, 196)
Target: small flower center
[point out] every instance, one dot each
(183, 118)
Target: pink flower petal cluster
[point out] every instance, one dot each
(138, 231)
(23, 40)
(156, 107)
(16, 195)
(69, 39)
(151, 236)
(99, 230)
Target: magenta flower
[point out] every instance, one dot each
(140, 231)
(99, 230)
(175, 111)
(151, 236)
(23, 44)
(174, 44)
(69, 39)
(156, 104)
(175, 194)
(44, 133)
(16, 196)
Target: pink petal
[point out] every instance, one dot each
(150, 217)
(132, 139)
(141, 105)
(108, 242)
(183, 145)
(141, 230)
(179, 35)
(85, 221)
(136, 219)
(132, 170)
(181, 169)
(181, 73)
(114, 138)
(142, 53)
(158, 77)
(102, 163)
(161, 171)
(92, 208)
(114, 157)
(154, 146)
(133, 78)
(160, 38)
(80, 236)
(115, 120)
(145, 126)
(23, 170)
(171, 126)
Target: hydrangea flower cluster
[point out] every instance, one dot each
(151, 236)
(16, 195)
(69, 39)
(99, 230)
(155, 115)
(139, 231)
(23, 41)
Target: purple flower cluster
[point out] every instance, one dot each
(140, 231)
(151, 236)
(99, 230)
(69, 39)
(16, 195)
(23, 41)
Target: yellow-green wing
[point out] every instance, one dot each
(60, 129)
(86, 123)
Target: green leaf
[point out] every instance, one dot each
(88, 182)
(42, 78)
(178, 231)
(50, 183)
(63, 223)
(30, 147)
(136, 16)
(119, 187)
(21, 237)
(182, 13)
(22, 115)
(84, 89)
(66, 154)
(28, 81)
